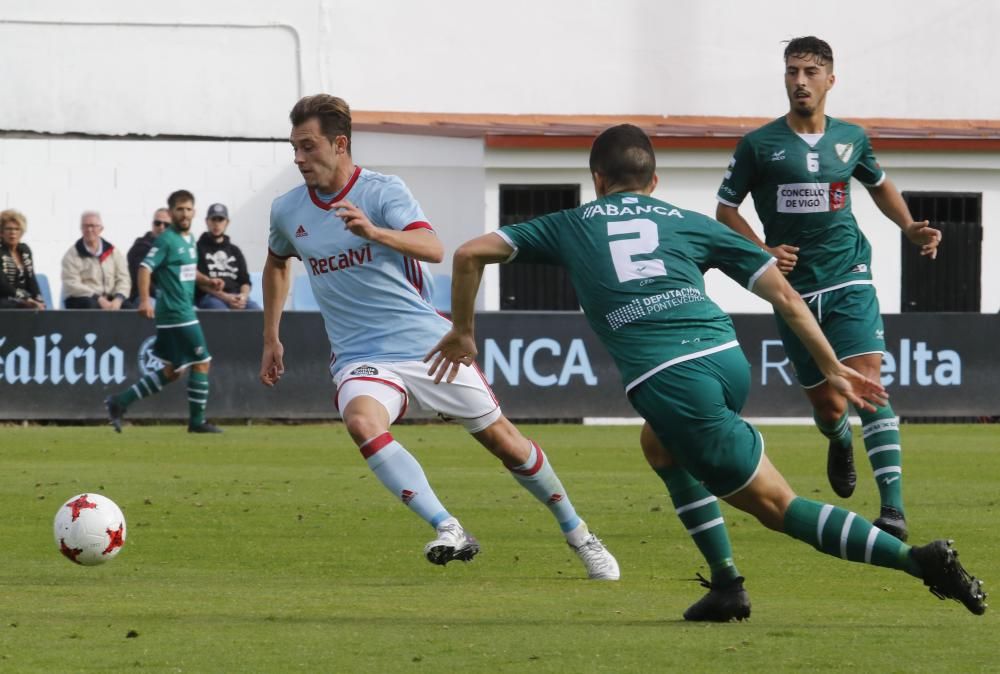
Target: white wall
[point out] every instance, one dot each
(691, 179)
(53, 180)
(232, 69)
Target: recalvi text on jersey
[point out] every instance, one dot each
(342, 260)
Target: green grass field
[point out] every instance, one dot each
(273, 549)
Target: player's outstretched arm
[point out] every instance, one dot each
(786, 254)
(861, 391)
(276, 278)
(893, 206)
(458, 346)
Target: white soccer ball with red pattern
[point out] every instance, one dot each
(90, 529)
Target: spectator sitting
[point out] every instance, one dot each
(219, 258)
(136, 254)
(94, 273)
(18, 285)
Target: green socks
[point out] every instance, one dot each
(881, 433)
(150, 384)
(197, 391)
(700, 514)
(839, 432)
(842, 533)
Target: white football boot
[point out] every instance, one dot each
(600, 564)
(452, 542)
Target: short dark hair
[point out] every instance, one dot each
(179, 196)
(333, 113)
(810, 45)
(624, 155)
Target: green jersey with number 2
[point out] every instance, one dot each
(637, 263)
(801, 189)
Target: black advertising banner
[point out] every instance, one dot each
(62, 364)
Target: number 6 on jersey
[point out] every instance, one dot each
(624, 250)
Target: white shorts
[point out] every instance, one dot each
(467, 400)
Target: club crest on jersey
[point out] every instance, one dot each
(811, 197)
(300, 232)
(844, 151)
(364, 371)
(838, 196)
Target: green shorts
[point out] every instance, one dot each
(694, 409)
(181, 346)
(850, 320)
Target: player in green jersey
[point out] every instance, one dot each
(172, 263)
(798, 169)
(636, 264)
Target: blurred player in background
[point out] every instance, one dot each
(180, 343)
(798, 169)
(365, 243)
(636, 264)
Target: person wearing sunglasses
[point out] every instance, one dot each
(139, 249)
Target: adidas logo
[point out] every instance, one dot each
(300, 232)
(555, 498)
(407, 495)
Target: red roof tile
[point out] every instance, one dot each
(554, 131)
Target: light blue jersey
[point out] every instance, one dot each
(375, 301)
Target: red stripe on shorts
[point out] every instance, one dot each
(482, 376)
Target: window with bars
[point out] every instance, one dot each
(952, 281)
(535, 287)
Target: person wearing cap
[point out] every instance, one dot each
(219, 258)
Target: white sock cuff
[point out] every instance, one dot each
(533, 464)
(577, 536)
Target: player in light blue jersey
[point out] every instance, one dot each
(365, 243)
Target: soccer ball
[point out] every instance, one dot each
(90, 529)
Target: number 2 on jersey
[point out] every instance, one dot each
(624, 250)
